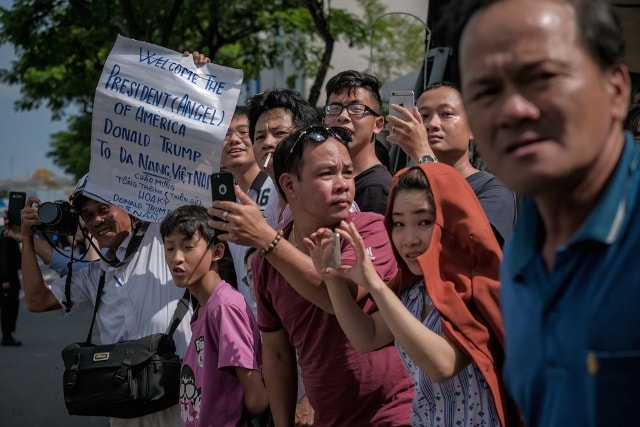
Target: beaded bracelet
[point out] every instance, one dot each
(264, 251)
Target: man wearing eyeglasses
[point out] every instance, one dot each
(353, 103)
(238, 158)
(315, 175)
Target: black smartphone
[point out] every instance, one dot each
(222, 189)
(17, 200)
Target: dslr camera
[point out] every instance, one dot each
(58, 216)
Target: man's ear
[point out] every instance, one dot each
(619, 84)
(217, 251)
(286, 183)
(378, 125)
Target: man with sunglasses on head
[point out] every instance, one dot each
(353, 103)
(315, 175)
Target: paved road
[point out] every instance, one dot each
(31, 375)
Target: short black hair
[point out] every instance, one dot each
(241, 111)
(187, 220)
(352, 80)
(303, 114)
(443, 83)
(597, 24)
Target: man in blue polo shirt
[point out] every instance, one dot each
(546, 92)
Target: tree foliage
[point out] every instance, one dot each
(61, 47)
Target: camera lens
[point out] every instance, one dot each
(49, 213)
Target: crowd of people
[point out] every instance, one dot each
(429, 297)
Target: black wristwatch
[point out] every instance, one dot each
(428, 158)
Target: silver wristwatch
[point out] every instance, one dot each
(428, 158)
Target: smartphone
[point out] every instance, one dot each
(222, 189)
(404, 98)
(331, 253)
(17, 200)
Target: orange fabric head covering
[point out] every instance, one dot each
(461, 272)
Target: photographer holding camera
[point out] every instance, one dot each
(139, 297)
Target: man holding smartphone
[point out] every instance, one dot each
(354, 104)
(315, 175)
(441, 114)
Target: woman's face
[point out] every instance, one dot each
(412, 219)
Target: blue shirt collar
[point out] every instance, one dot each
(604, 224)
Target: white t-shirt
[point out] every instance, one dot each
(139, 298)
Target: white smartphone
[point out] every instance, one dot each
(404, 98)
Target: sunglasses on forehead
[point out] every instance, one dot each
(319, 134)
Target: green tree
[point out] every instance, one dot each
(61, 46)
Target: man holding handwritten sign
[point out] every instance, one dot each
(158, 127)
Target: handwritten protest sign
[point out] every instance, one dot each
(158, 127)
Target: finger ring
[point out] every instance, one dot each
(224, 215)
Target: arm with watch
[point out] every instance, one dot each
(410, 135)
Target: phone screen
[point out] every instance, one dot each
(17, 200)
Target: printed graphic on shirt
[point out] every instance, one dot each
(189, 395)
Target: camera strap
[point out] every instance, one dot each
(138, 233)
(134, 244)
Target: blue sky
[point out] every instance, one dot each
(24, 136)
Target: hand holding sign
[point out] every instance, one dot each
(159, 122)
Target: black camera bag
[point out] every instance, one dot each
(127, 379)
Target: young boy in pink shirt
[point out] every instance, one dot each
(221, 383)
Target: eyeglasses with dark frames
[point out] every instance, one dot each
(319, 134)
(352, 109)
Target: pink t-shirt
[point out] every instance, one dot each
(344, 387)
(224, 335)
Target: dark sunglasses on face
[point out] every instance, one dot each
(352, 109)
(319, 134)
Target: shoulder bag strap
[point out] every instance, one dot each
(95, 307)
(178, 314)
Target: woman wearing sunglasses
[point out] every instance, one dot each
(444, 315)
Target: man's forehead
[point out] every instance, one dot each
(275, 115)
(351, 93)
(442, 95)
(240, 120)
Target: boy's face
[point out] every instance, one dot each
(189, 259)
